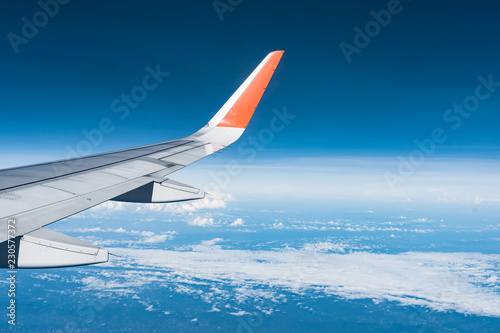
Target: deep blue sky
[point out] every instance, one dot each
(396, 90)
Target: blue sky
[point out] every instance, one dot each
(393, 91)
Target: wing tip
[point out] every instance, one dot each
(239, 113)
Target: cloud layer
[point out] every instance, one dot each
(464, 282)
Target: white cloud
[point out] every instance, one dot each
(347, 226)
(215, 201)
(149, 308)
(421, 231)
(212, 241)
(422, 220)
(237, 223)
(108, 208)
(96, 229)
(462, 282)
(279, 225)
(202, 221)
(239, 313)
(48, 277)
(149, 237)
(325, 247)
(158, 238)
(99, 229)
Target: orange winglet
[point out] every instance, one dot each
(243, 109)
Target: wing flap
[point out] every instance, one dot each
(46, 248)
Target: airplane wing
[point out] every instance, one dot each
(34, 196)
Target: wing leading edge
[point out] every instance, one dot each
(35, 196)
